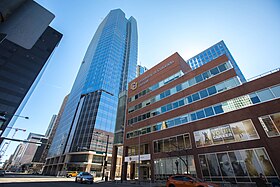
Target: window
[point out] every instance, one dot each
(265, 95)
(254, 98)
(276, 90)
(177, 121)
(163, 109)
(203, 93)
(200, 114)
(178, 87)
(209, 111)
(195, 97)
(192, 81)
(175, 105)
(214, 71)
(167, 93)
(198, 78)
(218, 109)
(168, 107)
(271, 124)
(222, 67)
(162, 95)
(220, 87)
(189, 99)
(212, 90)
(193, 116)
(206, 75)
(181, 102)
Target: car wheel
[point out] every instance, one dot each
(81, 181)
(171, 185)
(91, 182)
(70, 176)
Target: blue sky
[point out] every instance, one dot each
(250, 29)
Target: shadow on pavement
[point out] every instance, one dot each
(42, 184)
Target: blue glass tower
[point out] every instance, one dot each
(109, 64)
(212, 53)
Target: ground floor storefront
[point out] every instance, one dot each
(95, 163)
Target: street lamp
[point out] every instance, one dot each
(4, 114)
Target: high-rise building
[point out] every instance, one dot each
(140, 70)
(204, 122)
(26, 43)
(212, 53)
(27, 155)
(88, 121)
(51, 126)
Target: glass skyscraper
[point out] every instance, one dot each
(109, 64)
(212, 53)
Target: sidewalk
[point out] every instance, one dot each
(131, 183)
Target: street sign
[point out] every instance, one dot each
(136, 158)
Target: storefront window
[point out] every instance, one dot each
(175, 143)
(237, 165)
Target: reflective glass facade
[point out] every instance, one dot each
(212, 53)
(109, 64)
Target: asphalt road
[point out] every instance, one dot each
(22, 180)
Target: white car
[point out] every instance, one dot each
(84, 177)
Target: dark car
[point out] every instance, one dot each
(84, 177)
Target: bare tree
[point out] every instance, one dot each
(177, 152)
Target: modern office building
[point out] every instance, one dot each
(51, 125)
(27, 155)
(26, 43)
(205, 122)
(84, 136)
(212, 53)
(140, 70)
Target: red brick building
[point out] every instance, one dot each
(204, 122)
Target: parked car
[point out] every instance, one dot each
(2, 172)
(71, 174)
(84, 177)
(187, 181)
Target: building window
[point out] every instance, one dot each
(237, 165)
(271, 124)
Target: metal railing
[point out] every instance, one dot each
(263, 74)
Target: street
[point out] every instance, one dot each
(11, 180)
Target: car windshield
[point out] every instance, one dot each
(86, 173)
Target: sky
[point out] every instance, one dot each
(249, 28)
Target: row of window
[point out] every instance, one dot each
(193, 81)
(225, 85)
(175, 143)
(156, 86)
(237, 165)
(223, 107)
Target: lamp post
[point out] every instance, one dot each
(105, 157)
(139, 159)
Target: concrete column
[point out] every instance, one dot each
(90, 156)
(114, 162)
(124, 164)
